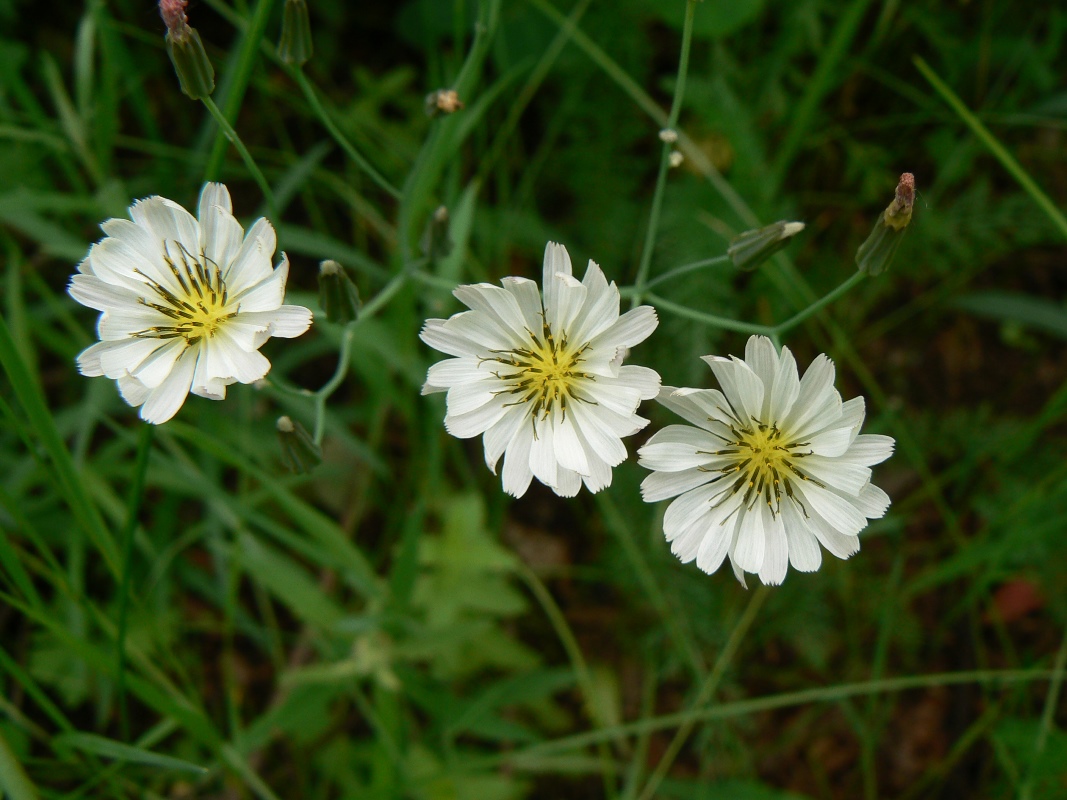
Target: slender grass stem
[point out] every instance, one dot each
(133, 509)
(250, 164)
(297, 74)
(664, 159)
(1048, 715)
(581, 668)
(707, 691)
(1006, 159)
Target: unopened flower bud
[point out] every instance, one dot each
(675, 159)
(299, 451)
(338, 295)
(875, 254)
(294, 45)
(752, 248)
(443, 101)
(668, 135)
(195, 73)
(436, 242)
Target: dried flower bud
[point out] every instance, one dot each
(436, 242)
(294, 45)
(195, 73)
(668, 135)
(338, 295)
(443, 101)
(676, 158)
(751, 248)
(876, 253)
(299, 451)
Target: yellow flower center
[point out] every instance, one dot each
(545, 374)
(766, 464)
(201, 305)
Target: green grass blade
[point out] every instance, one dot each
(109, 748)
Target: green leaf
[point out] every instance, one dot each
(109, 748)
(1028, 310)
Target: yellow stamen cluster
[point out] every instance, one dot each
(546, 373)
(202, 306)
(765, 463)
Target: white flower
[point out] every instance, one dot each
(775, 466)
(186, 304)
(544, 382)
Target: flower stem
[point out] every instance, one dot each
(343, 357)
(664, 160)
(629, 291)
(706, 691)
(825, 300)
(133, 508)
(709, 319)
(235, 140)
(297, 74)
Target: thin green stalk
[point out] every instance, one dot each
(581, 669)
(297, 74)
(630, 291)
(619, 526)
(707, 691)
(819, 304)
(995, 147)
(665, 154)
(343, 358)
(725, 323)
(250, 164)
(133, 509)
(1048, 715)
(233, 88)
(742, 708)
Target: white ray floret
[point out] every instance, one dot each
(775, 466)
(542, 378)
(186, 302)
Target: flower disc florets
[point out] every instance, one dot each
(774, 467)
(543, 378)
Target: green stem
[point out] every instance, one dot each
(14, 782)
(237, 82)
(800, 316)
(665, 154)
(709, 319)
(298, 75)
(235, 140)
(1047, 718)
(581, 669)
(707, 691)
(995, 147)
(343, 358)
(630, 291)
(133, 509)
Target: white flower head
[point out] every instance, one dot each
(775, 466)
(186, 303)
(543, 379)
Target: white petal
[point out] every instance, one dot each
(528, 297)
(132, 390)
(838, 512)
(872, 502)
(464, 398)
(599, 477)
(761, 356)
(266, 295)
(833, 540)
(804, 552)
(741, 386)
(630, 329)
(570, 452)
(751, 547)
(221, 235)
(677, 448)
(814, 397)
(157, 366)
(776, 558)
(475, 327)
(543, 454)
(646, 381)
(556, 260)
(716, 543)
(440, 336)
(90, 291)
(847, 478)
(569, 298)
(517, 473)
(786, 386)
(247, 366)
(454, 371)
(661, 485)
(568, 483)
(499, 435)
(499, 307)
(869, 449)
(474, 423)
(285, 322)
(596, 431)
(705, 408)
(165, 399)
(252, 264)
(168, 223)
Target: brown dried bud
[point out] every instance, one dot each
(443, 101)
